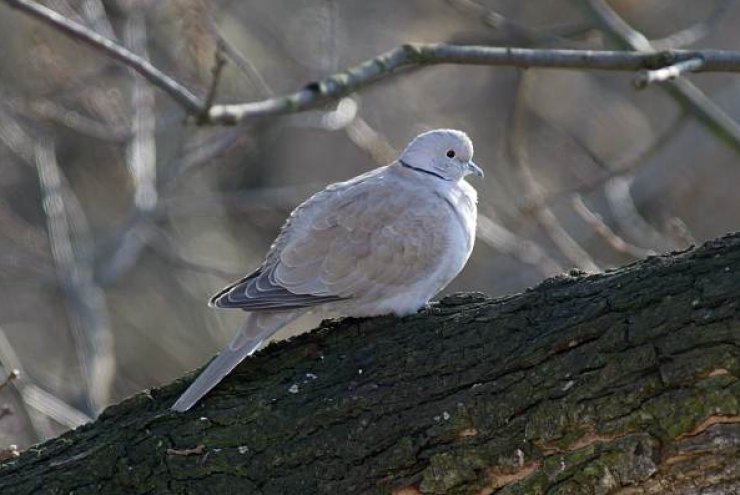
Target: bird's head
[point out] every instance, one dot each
(443, 153)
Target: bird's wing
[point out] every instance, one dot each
(351, 240)
(257, 292)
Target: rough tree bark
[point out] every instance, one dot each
(624, 382)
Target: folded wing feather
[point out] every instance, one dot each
(341, 245)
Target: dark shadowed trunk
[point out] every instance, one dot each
(624, 382)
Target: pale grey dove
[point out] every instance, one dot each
(383, 242)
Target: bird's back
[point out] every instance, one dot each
(360, 245)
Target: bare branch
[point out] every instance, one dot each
(13, 374)
(679, 232)
(241, 61)
(528, 252)
(34, 397)
(53, 112)
(141, 156)
(534, 192)
(695, 32)
(219, 61)
(370, 140)
(95, 14)
(629, 218)
(245, 200)
(123, 250)
(601, 228)
(418, 55)
(513, 32)
(52, 407)
(670, 73)
(333, 120)
(16, 138)
(94, 40)
(169, 250)
(390, 63)
(682, 90)
(623, 166)
(86, 307)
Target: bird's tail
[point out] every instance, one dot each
(255, 329)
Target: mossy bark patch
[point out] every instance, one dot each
(625, 382)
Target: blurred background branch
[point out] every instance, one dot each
(414, 55)
(118, 220)
(682, 90)
(69, 240)
(111, 49)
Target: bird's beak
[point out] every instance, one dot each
(475, 169)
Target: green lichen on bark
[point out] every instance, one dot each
(583, 385)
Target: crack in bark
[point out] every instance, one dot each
(606, 380)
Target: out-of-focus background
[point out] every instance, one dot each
(118, 220)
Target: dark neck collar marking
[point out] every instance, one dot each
(404, 164)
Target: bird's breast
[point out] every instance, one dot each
(460, 225)
(461, 203)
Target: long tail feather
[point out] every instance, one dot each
(255, 329)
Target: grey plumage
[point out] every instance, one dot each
(255, 329)
(383, 242)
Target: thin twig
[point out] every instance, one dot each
(51, 111)
(243, 63)
(245, 200)
(390, 63)
(169, 250)
(122, 251)
(330, 19)
(94, 12)
(10, 364)
(682, 90)
(141, 156)
(34, 397)
(646, 77)
(628, 217)
(505, 241)
(86, 307)
(418, 55)
(94, 40)
(12, 375)
(13, 135)
(89, 319)
(612, 238)
(695, 32)
(332, 120)
(626, 213)
(513, 32)
(345, 116)
(370, 140)
(680, 233)
(52, 407)
(218, 66)
(622, 166)
(533, 191)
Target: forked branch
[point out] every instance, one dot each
(393, 62)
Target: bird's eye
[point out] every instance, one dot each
(450, 153)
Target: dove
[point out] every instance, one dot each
(384, 242)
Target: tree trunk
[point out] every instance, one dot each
(624, 382)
